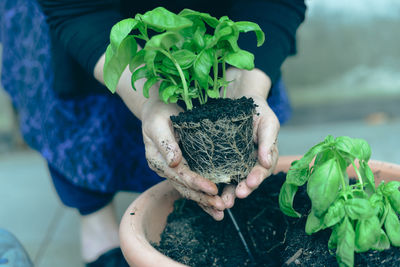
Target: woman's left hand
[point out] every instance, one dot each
(254, 84)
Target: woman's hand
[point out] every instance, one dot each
(165, 158)
(162, 151)
(255, 84)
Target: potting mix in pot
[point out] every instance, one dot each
(187, 54)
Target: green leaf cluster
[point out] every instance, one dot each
(361, 216)
(182, 56)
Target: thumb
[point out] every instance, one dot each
(161, 133)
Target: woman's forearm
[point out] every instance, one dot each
(134, 100)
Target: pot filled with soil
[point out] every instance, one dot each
(192, 238)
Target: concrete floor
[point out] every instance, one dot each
(31, 210)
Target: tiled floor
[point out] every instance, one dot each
(50, 232)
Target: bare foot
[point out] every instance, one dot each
(99, 233)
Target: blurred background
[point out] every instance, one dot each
(345, 80)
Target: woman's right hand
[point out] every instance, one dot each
(165, 158)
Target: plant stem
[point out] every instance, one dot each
(341, 175)
(188, 102)
(224, 76)
(358, 174)
(215, 67)
(201, 98)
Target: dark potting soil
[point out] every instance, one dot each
(194, 238)
(216, 109)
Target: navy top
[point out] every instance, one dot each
(80, 32)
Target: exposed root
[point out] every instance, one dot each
(294, 257)
(220, 151)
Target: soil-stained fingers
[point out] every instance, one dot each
(218, 215)
(228, 195)
(188, 183)
(266, 131)
(160, 133)
(256, 176)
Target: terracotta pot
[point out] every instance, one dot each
(145, 218)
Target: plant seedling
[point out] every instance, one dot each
(180, 54)
(361, 216)
(187, 54)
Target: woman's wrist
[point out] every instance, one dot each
(134, 100)
(248, 83)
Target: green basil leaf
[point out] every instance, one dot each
(185, 58)
(120, 31)
(359, 209)
(140, 73)
(392, 227)
(162, 19)
(382, 243)
(358, 148)
(333, 239)
(359, 193)
(241, 59)
(163, 41)
(305, 161)
(335, 213)
(116, 62)
(323, 186)
(148, 84)
(137, 60)
(149, 59)
(191, 14)
(376, 201)
(168, 92)
(313, 223)
(390, 187)
(213, 94)
(391, 191)
(286, 196)
(394, 200)
(202, 66)
(246, 26)
(367, 176)
(345, 243)
(298, 176)
(173, 99)
(198, 37)
(219, 34)
(368, 232)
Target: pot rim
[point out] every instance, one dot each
(135, 230)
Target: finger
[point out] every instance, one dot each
(201, 198)
(182, 173)
(258, 174)
(161, 133)
(267, 132)
(228, 196)
(242, 190)
(216, 214)
(196, 181)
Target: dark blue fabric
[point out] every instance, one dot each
(84, 200)
(94, 141)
